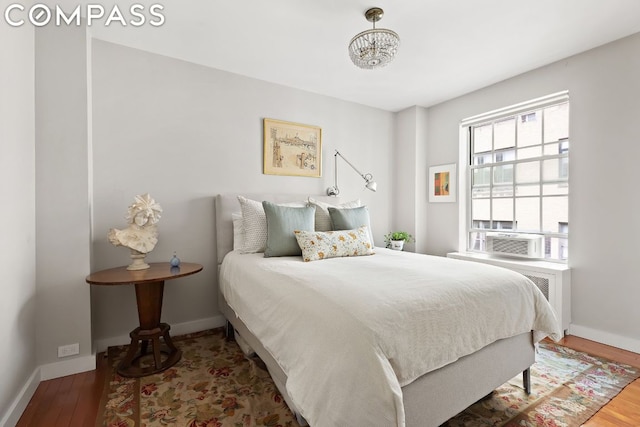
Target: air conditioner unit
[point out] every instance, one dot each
(516, 245)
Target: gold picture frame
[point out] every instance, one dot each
(292, 149)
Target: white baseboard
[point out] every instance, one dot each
(176, 329)
(67, 367)
(198, 325)
(43, 373)
(19, 404)
(607, 338)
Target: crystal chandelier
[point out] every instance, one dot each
(374, 48)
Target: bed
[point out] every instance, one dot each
(348, 343)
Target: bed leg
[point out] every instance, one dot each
(229, 332)
(526, 380)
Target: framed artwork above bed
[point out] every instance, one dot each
(442, 183)
(292, 149)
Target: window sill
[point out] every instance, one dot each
(543, 266)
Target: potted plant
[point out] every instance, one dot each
(396, 240)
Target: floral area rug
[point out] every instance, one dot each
(215, 385)
(567, 388)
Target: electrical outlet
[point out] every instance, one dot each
(68, 350)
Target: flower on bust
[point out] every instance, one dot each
(144, 211)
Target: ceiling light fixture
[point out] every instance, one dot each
(374, 48)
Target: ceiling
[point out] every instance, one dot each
(448, 47)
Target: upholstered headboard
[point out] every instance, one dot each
(226, 204)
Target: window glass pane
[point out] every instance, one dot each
(480, 210)
(556, 248)
(505, 134)
(530, 152)
(481, 176)
(477, 240)
(502, 211)
(563, 168)
(564, 146)
(528, 172)
(502, 174)
(556, 122)
(503, 225)
(555, 189)
(481, 224)
(528, 189)
(556, 148)
(550, 170)
(555, 169)
(528, 214)
(481, 159)
(555, 213)
(530, 129)
(551, 149)
(482, 136)
(480, 192)
(504, 156)
(502, 191)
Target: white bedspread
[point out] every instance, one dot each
(350, 332)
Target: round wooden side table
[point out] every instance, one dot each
(149, 285)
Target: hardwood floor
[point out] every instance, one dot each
(73, 400)
(68, 401)
(624, 409)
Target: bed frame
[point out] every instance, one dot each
(428, 401)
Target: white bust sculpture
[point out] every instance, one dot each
(141, 235)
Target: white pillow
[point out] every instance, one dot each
(237, 231)
(254, 225)
(317, 245)
(323, 219)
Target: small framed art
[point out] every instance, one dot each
(292, 149)
(442, 183)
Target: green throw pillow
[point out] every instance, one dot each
(351, 219)
(282, 221)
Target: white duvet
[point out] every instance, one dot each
(350, 332)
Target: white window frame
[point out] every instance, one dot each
(465, 155)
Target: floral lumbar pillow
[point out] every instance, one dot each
(317, 245)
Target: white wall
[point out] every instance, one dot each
(184, 133)
(62, 198)
(604, 93)
(410, 185)
(17, 192)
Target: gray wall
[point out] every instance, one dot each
(184, 133)
(410, 184)
(17, 192)
(604, 93)
(62, 192)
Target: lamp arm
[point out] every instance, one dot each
(335, 170)
(368, 177)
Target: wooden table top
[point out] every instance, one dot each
(157, 272)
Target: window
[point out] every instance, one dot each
(519, 173)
